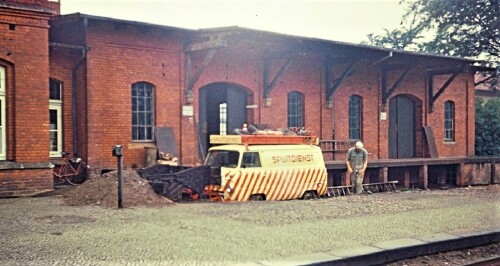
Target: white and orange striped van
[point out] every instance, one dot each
(268, 172)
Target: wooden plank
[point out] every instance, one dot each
(431, 143)
(165, 140)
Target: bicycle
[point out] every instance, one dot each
(73, 171)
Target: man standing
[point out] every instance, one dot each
(357, 160)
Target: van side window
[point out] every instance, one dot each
(223, 159)
(250, 159)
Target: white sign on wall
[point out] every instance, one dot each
(383, 115)
(187, 110)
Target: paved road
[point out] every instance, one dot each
(44, 231)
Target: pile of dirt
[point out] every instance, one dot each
(103, 191)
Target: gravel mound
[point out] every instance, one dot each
(103, 191)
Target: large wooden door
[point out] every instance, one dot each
(236, 109)
(401, 127)
(222, 108)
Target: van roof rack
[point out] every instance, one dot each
(263, 139)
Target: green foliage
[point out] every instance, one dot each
(488, 127)
(402, 39)
(466, 28)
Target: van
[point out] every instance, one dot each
(267, 167)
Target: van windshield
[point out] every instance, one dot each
(222, 158)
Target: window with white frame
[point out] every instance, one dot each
(449, 121)
(3, 135)
(55, 117)
(223, 119)
(142, 111)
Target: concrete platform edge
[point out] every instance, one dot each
(391, 255)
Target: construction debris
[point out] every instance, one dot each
(253, 130)
(167, 159)
(103, 191)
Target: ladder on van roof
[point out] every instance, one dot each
(336, 191)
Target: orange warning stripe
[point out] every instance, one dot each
(276, 184)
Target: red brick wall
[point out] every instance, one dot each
(63, 61)
(28, 86)
(118, 57)
(245, 69)
(24, 182)
(460, 92)
(306, 75)
(25, 54)
(67, 62)
(364, 84)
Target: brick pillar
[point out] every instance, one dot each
(383, 174)
(493, 172)
(460, 175)
(346, 179)
(424, 178)
(407, 178)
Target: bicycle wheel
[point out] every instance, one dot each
(76, 173)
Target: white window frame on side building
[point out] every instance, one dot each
(3, 124)
(55, 104)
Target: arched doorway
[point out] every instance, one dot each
(222, 108)
(404, 127)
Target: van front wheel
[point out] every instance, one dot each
(257, 197)
(309, 195)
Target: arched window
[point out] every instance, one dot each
(295, 109)
(449, 121)
(355, 117)
(55, 117)
(3, 122)
(142, 111)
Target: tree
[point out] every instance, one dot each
(465, 28)
(488, 127)
(403, 39)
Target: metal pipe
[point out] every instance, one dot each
(120, 182)
(73, 100)
(117, 152)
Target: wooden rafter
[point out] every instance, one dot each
(332, 85)
(386, 93)
(453, 72)
(191, 80)
(268, 86)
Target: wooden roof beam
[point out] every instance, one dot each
(269, 85)
(331, 86)
(454, 72)
(191, 80)
(387, 93)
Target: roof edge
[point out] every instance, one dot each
(100, 18)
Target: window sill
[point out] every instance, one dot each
(449, 142)
(141, 145)
(8, 165)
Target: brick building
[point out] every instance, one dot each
(108, 81)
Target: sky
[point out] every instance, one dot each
(338, 20)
